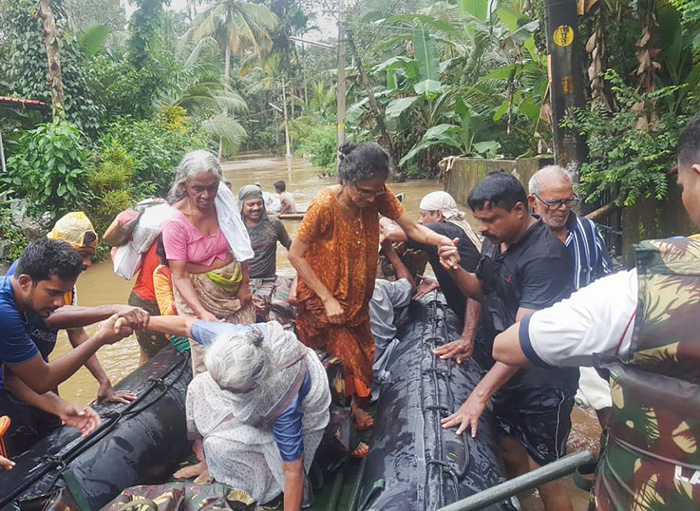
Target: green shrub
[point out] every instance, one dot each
(318, 144)
(155, 150)
(48, 169)
(12, 237)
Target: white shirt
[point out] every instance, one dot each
(596, 319)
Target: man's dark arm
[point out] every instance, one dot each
(73, 316)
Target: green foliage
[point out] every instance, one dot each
(627, 156)
(318, 144)
(24, 71)
(110, 181)
(154, 149)
(48, 170)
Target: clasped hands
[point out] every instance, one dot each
(123, 323)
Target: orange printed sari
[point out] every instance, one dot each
(343, 255)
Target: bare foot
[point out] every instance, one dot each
(363, 420)
(191, 471)
(360, 451)
(203, 478)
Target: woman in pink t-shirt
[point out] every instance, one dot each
(207, 280)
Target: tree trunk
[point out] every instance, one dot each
(227, 75)
(50, 37)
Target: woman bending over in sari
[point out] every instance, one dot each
(335, 254)
(261, 408)
(208, 282)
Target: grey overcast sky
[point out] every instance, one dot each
(325, 22)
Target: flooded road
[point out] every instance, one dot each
(100, 286)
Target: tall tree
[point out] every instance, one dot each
(241, 28)
(50, 37)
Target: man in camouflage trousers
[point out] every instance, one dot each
(643, 327)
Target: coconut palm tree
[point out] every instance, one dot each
(241, 28)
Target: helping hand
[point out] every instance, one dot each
(114, 329)
(425, 286)
(334, 311)
(467, 416)
(208, 316)
(107, 394)
(449, 255)
(85, 420)
(135, 316)
(462, 348)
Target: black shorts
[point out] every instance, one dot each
(540, 418)
(28, 424)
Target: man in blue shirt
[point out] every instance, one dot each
(45, 272)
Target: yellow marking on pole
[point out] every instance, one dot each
(563, 35)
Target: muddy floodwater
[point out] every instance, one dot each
(100, 286)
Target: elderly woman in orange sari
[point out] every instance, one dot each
(335, 255)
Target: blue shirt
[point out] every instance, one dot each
(44, 339)
(588, 251)
(16, 347)
(287, 429)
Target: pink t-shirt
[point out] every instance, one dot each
(184, 242)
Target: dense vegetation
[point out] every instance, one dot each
(462, 77)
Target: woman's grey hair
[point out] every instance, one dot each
(362, 162)
(550, 171)
(193, 163)
(237, 362)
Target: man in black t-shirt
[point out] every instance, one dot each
(438, 211)
(523, 268)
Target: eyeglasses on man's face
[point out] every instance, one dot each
(557, 204)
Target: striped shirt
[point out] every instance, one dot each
(588, 250)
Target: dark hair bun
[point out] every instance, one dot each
(346, 149)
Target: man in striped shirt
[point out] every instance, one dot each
(552, 197)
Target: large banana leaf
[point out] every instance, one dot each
(477, 8)
(93, 39)
(398, 106)
(426, 54)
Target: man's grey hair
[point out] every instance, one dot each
(550, 171)
(193, 163)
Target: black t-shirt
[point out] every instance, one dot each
(470, 259)
(534, 273)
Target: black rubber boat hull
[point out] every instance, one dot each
(140, 443)
(415, 464)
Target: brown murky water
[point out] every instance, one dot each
(100, 286)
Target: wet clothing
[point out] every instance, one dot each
(540, 418)
(533, 273)
(469, 260)
(240, 453)
(263, 238)
(343, 255)
(184, 242)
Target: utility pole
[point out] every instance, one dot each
(286, 127)
(341, 75)
(565, 77)
(386, 140)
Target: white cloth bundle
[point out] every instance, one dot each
(231, 224)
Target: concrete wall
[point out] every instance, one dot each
(467, 172)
